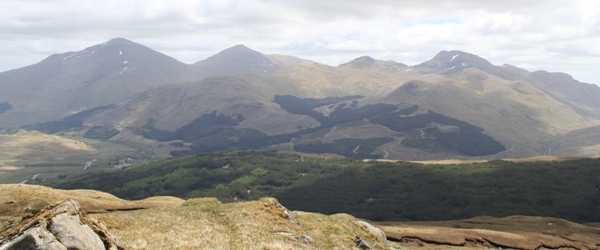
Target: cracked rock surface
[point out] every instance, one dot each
(60, 227)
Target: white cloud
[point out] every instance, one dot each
(557, 35)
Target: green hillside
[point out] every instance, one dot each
(372, 190)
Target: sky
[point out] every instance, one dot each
(551, 35)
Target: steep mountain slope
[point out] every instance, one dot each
(579, 142)
(250, 95)
(67, 83)
(455, 105)
(174, 106)
(447, 97)
(516, 113)
(581, 97)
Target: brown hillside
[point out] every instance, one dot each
(515, 113)
(29, 147)
(16, 198)
(67, 83)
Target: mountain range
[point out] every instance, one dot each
(456, 105)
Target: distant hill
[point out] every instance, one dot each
(240, 59)
(515, 114)
(67, 83)
(35, 147)
(456, 105)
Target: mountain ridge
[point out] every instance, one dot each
(520, 109)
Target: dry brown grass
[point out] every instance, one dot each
(514, 232)
(172, 223)
(36, 145)
(244, 225)
(26, 153)
(32, 147)
(14, 198)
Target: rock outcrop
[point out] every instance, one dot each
(60, 227)
(376, 232)
(513, 232)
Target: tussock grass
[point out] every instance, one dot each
(15, 199)
(204, 224)
(199, 223)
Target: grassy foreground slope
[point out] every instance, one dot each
(381, 191)
(172, 223)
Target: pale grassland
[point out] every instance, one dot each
(27, 153)
(14, 198)
(30, 147)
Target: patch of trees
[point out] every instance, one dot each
(351, 148)
(55, 126)
(99, 132)
(379, 191)
(297, 105)
(215, 132)
(205, 125)
(231, 139)
(5, 106)
(469, 140)
(89, 112)
(341, 114)
(74, 121)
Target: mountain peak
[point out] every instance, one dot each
(237, 60)
(239, 50)
(451, 55)
(118, 41)
(455, 57)
(450, 62)
(360, 62)
(240, 47)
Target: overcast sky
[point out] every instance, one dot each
(553, 35)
